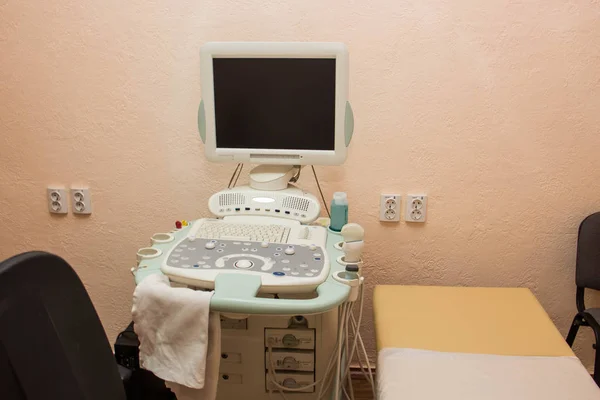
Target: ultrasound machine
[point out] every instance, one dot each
(288, 287)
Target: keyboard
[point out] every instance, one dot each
(253, 231)
(235, 231)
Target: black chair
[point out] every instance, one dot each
(52, 345)
(587, 276)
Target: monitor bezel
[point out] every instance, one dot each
(337, 51)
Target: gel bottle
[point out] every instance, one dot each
(339, 211)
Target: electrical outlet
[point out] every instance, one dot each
(57, 200)
(81, 199)
(416, 208)
(389, 207)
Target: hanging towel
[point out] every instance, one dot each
(180, 339)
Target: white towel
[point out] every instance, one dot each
(179, 342)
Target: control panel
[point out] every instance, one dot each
(301, 268)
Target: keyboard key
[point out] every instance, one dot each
(228, 237)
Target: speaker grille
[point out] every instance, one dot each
(296, 203)
(232, 199)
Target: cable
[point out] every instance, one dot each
(320, 191)
(342, 351)
(360, 314)
(350, 354)
(280, 393)
(336, 388)
(238, 175)
(357, 340)
(232, 175)
(330, 379)
(346, 356)
(364, 351)
(295, 178)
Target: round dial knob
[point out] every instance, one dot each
(210, 245)
(290, 340)
(244, 264)
(290, 250)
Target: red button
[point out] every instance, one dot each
(178, 224)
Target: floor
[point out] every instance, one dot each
(362, 387)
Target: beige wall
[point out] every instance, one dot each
(491, 108)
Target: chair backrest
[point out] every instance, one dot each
(52, 344)
(587, 266)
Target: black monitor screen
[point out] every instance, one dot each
(275, 103)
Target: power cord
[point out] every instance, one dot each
(238, 171)
(320, 191)
(368, 374)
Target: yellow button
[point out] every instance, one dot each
(184, 222)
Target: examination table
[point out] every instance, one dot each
(472, 343)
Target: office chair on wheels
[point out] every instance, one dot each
(52, 345)
(587, 276)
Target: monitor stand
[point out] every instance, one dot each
(272, 177)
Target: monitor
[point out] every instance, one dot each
(275, 103)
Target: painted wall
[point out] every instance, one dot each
(491, 108)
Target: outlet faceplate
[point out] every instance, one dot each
(389, 207)
(416, 208)
(57, 200)
(81, 199)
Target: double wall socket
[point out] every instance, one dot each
(389, 207)
(58, 202)
(81, 200)
(416, 208)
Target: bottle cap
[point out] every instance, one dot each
(340, 198)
